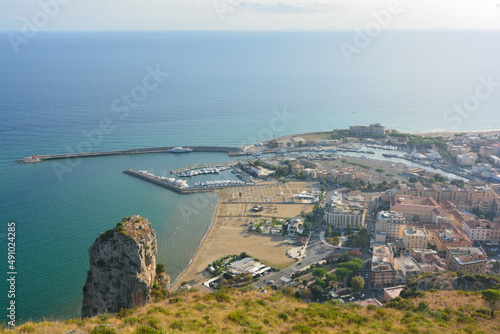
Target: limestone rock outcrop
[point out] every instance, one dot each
(122, 268)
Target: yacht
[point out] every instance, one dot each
(180, 149)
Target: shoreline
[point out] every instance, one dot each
(200, 246)
(227, 234)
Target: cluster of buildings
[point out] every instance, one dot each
(348, 213)
(467, 198)
(481, 153)
(376, 129)
(418, 234)
(388, 270)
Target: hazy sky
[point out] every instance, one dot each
(247, 14)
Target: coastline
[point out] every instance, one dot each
(446, 133)
(175, 284)
(228, 235)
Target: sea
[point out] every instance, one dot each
(65, 92)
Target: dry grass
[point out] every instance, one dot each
(271, 312)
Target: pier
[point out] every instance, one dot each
(40, 158)
(181, 186)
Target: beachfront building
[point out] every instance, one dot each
(472, 260)
(248, 265)
(391, 223)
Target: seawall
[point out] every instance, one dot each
(39, 158)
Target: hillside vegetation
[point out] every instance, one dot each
(268, 311)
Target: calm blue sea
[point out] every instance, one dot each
(65, 92)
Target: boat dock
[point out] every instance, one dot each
(39, 158)
(181, 187)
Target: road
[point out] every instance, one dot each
(317, 251)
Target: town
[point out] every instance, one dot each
(359, 212)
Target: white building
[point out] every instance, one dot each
(392, 223)
(342, 216)
(468, 159)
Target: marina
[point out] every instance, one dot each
(182, 187)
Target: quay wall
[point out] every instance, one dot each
(39, 158)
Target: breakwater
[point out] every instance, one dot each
(39, 158)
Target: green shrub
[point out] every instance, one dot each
(146, 330)
(175, 300)
(158, 309)
(283, 316)
(177, 325)
(239, 317)
(103, 329)
(27, 329)
(301, 328)
(124, 312)
(130, 321)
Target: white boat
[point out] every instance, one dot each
(180, 149)
(256, 153)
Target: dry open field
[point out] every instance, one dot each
(228, 234)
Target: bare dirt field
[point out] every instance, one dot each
(228, 234)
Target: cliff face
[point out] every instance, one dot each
(122, 268)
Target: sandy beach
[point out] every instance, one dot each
(228, 234)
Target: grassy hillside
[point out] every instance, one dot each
(272, 312)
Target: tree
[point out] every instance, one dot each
(288, 144)
(244, 255)
(342, 272)
(316, 291)
(160, 268)
(431, 180)
(318, 272)
(438, 177)
(331, 277)
(336, 240)
(492, 298)
(379, 171)
(240, 194)
(321, 283)
(289, 291)
(496, 265)
(413, 179)
(357, 283)
(343, 161)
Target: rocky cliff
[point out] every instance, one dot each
(122, 268)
